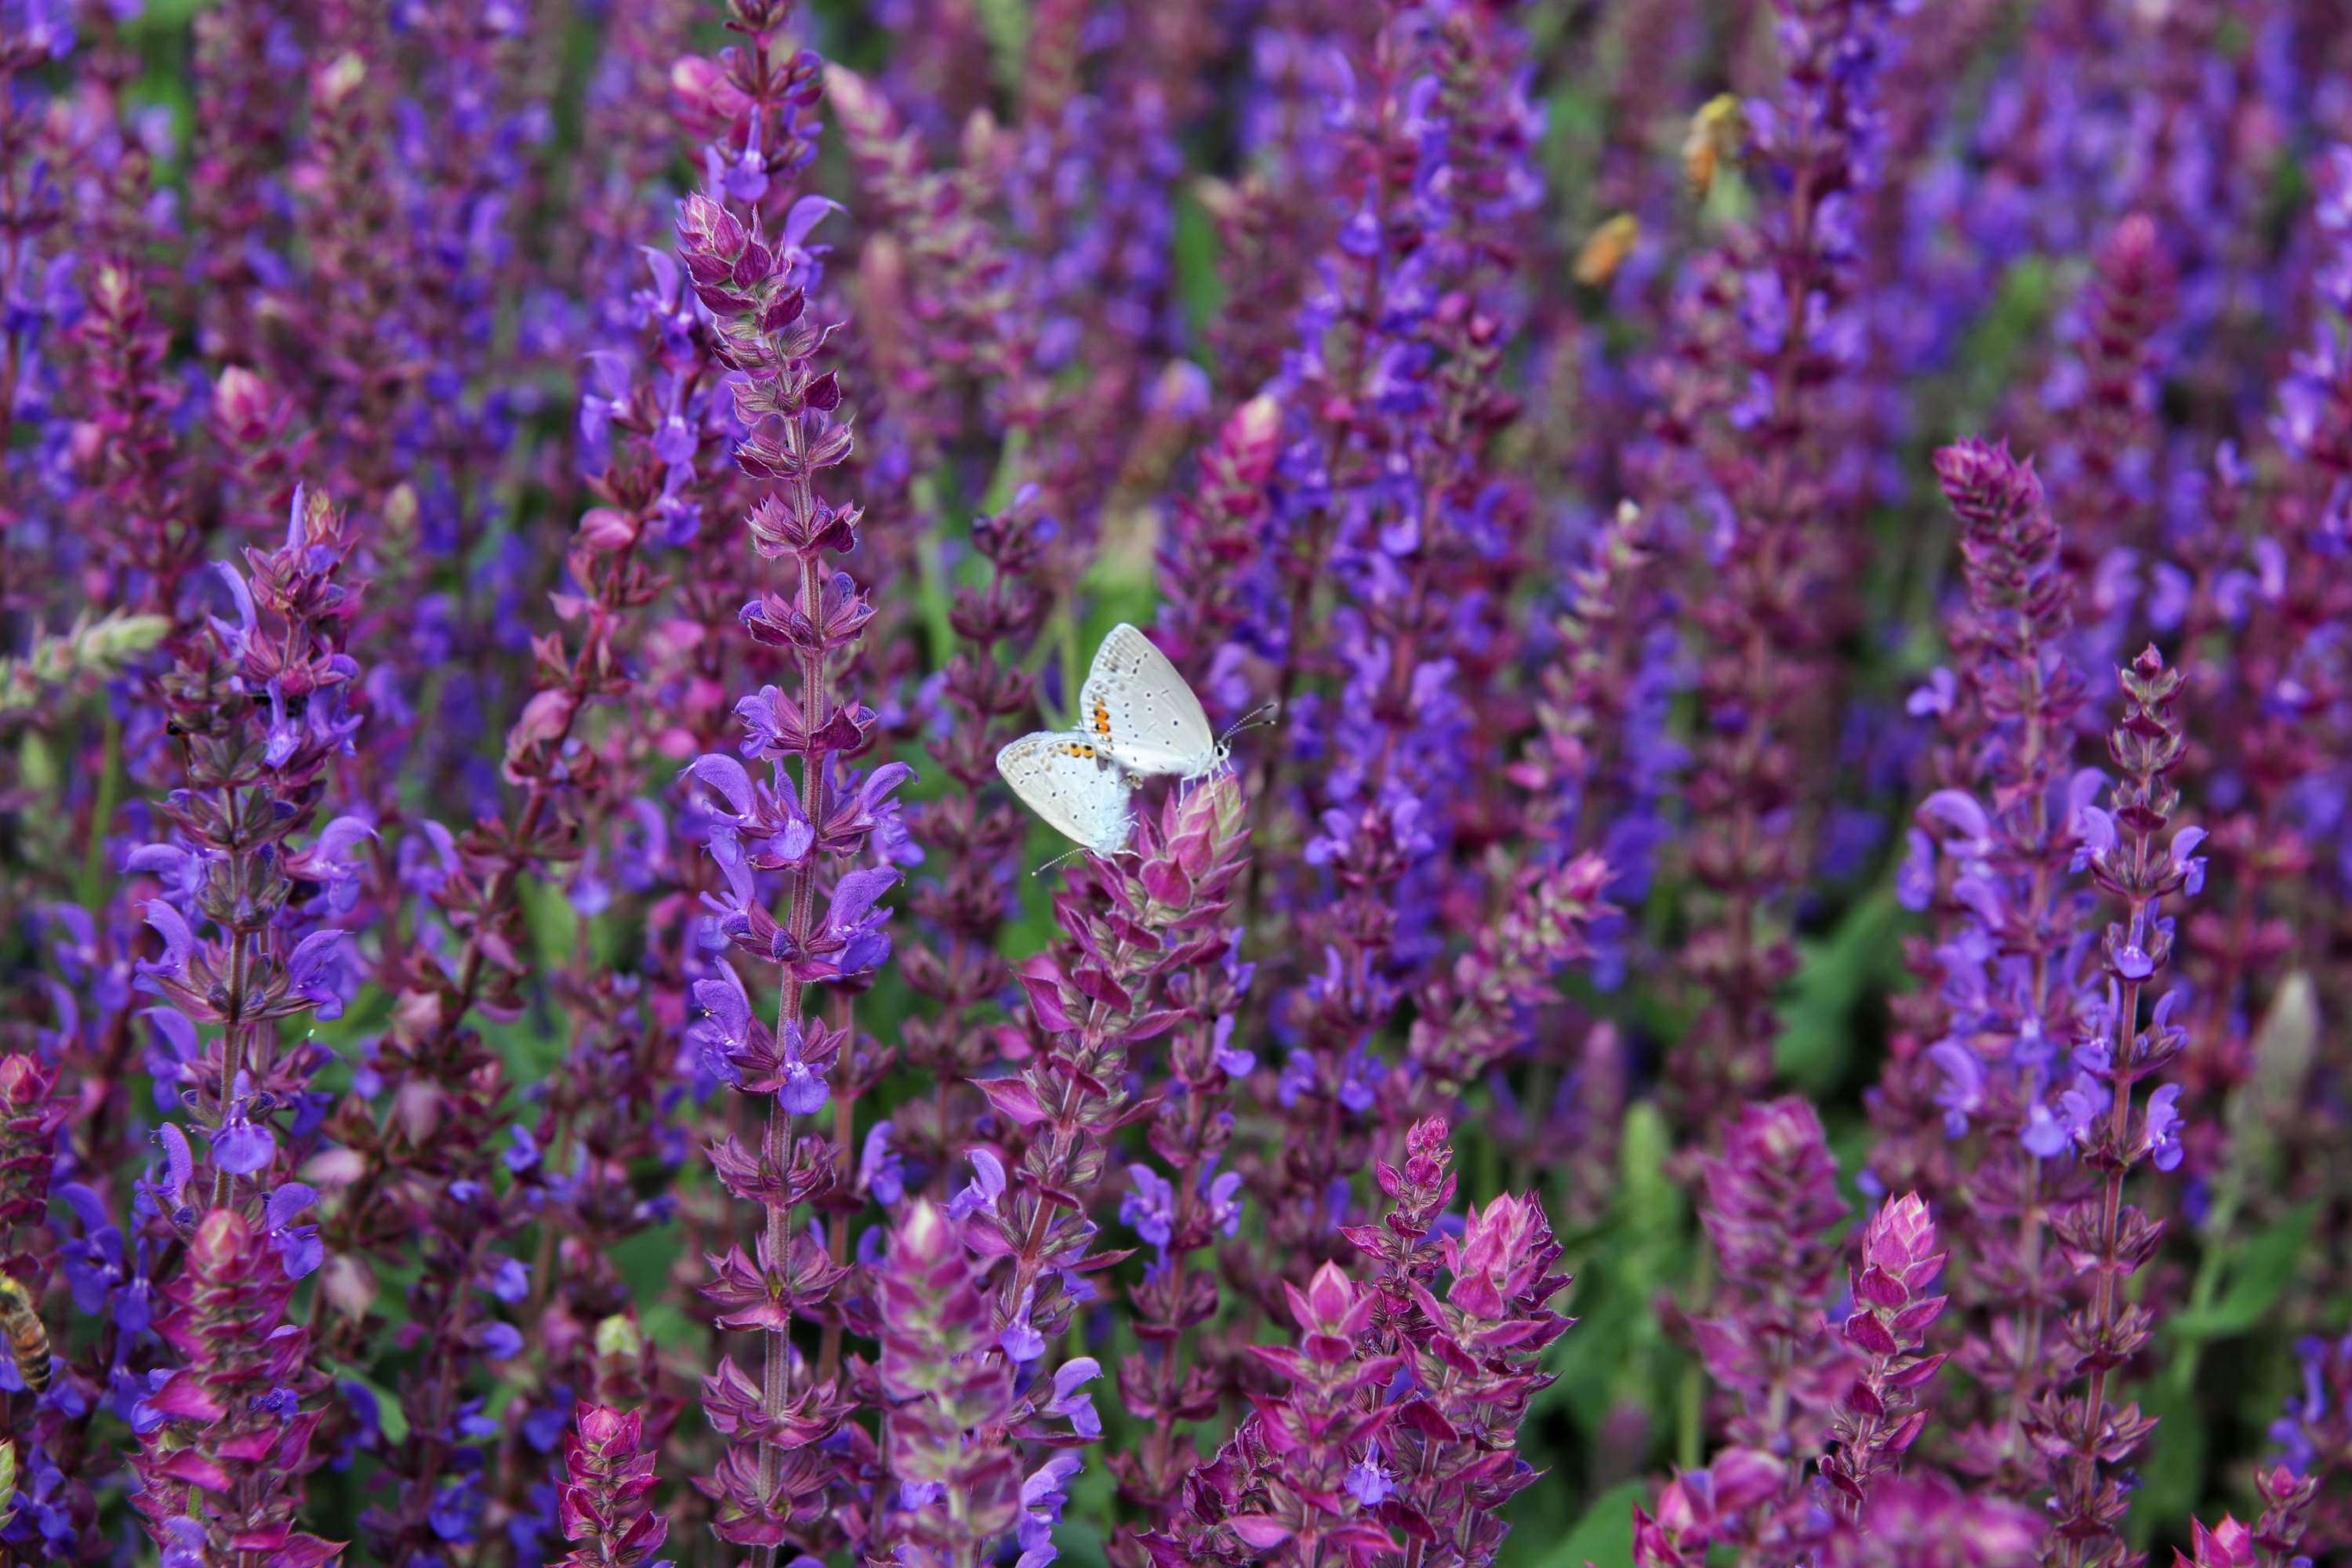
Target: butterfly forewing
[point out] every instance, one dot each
(1139, 710)
(1067, 780)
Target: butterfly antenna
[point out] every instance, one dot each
(1264, 713)
(1057, 860)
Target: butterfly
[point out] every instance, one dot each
(1139, 720)
(1137, 709)
(1072, 783)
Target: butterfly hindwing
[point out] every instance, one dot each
(1137, 709)
(1070, 781)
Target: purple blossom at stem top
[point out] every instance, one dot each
(1449, 1461)
(1387, 504)
(1401, 1414)
(1170, 1383)
(1300, 1482)
(1759, 393)
(258, 706)
(1879, 1416)
(1770, 1205)
(1993, 855)
(956, 1410)
(227, 1440)
(2084, 1436)
(606, 1506)
(811, 820)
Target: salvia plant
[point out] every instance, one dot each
(1746, 964)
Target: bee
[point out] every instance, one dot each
(1717, 132)
(1606, 251)
(27, 1336)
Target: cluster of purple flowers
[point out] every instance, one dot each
(1771, 578)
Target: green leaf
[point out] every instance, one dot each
(1647, 1198)
(1005, 25)
(1193, 252)
(1816, 1046)
(2172, 1471)
(1604, 1536)
(2260, 1277)
(554, 925)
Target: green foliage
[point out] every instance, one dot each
(1193, 254)
(1820, 1016)
(2259, 1270)
(1604, 1536)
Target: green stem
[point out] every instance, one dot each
(930, 560)
(101, 812)
(2208, 1283)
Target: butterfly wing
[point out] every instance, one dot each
(1136, 707)
(1067, 780)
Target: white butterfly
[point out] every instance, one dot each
(1139, 720)
(1073, 783)
(1136, 707)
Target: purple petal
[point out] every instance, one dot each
(241, 1148)
(283, 1204)
(1958, 809)
(807, 214)
(855, 892)
(179, 1160)
(341, 834)
(725, 774)
(241, 594)
(311, 955)
(179, 941)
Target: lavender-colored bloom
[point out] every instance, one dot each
(1071, 1398)
(509, 1280)
(1020, 1341)
(1150, 1206)
(2163, 1127)
(179, 1161)
(1044, 1495)
(879, 1170)
(240, 1145)
(314, 972)
(298, 1244)
(1962, 1094)
(2044, 1136)
(1368, 1482)
(984, 1190)
(1915, 879)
